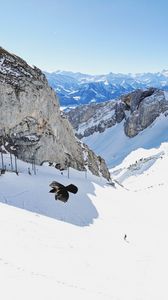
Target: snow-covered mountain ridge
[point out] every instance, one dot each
(76, 88)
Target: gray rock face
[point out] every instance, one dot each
(137, 109)
(132, 100)
(148, 110)
(91, 118)
(30, 119)
(120, 109)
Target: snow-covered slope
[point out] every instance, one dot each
(77, 250)
(31, 192)
(114, 145)
(143, 169)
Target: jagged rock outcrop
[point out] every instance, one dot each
(137, 110)
(148, 107)
(31, 120)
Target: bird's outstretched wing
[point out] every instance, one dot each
(72, 188)
(55, 184)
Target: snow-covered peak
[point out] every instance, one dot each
(112, 85)
(165, 73)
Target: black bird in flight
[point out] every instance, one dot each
(61, 191)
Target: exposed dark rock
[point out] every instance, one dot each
(120, 111)
(149, 109)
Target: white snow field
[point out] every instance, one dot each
(113, 145)
(76, 250)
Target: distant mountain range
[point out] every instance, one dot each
(76, 88)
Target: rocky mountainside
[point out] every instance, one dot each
(76, 88)
(31, 123)
(112, 129)
(138, 110)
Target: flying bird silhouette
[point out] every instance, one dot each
(61, 191)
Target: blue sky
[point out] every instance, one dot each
(92, 36)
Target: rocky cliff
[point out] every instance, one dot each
(137, 110)
(31, 121)
(144, 108)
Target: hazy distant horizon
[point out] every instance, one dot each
(104, 74)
